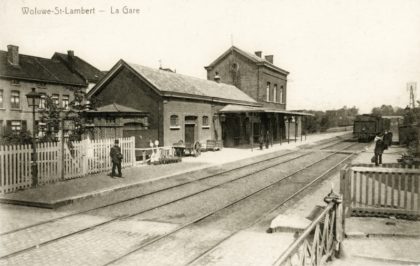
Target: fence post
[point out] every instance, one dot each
(133, 152)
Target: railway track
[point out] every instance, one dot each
(259, 191)
(323, 147)
(257, 167)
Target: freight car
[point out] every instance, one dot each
(366, 127)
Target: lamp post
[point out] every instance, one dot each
(33, 101)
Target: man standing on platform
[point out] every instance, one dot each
(116, 157)
(379, 149)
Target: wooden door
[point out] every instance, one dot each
(189, 133)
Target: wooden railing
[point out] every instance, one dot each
(379, 191)
(320, 240)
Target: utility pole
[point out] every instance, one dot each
(411, 87)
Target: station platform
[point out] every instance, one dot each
(102, 188)
(369, 241)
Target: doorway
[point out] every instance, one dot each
(190, 129)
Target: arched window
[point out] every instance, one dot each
(206, 123)
(275, 93)
(174, 123)
(281, 94)
(267, 92)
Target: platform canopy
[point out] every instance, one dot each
(232, 108)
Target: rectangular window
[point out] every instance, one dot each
(267, 92)
(16, 126)
(206, 122)
(66, 100)
(174, 121)
(15, 99)
(42, 128)
(42, 101)
(275, 93)
(1, 98)
(55, 98)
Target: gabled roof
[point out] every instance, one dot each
(115, 108)
(176, 85)
(39, 69)
(250, 56)
(83, 68)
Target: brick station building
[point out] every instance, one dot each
(266, 83)
(177, 107)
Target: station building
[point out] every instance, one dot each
(165, 106)
(266, 83)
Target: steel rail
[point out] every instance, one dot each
(158, 191)
(220, 209)
(271, 210)
(159, 206)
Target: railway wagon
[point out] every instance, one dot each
(366, 127)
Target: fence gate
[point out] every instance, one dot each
(377, 191)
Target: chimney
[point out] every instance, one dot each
(13, 55)
(269, 58)
(217, 77)
(258, 53)
(70, 59)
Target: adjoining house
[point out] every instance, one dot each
(179, 107)
(76, 64)
(20, 73)
(264, 82)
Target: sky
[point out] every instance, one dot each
(356, 53)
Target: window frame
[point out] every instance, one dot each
(174, 121)
(275, 93)
(55, 100)
(281, 94)
(42, 100)
(267, 91)
(13, 103)
(65, 98)
(12, 126)
(207, 124)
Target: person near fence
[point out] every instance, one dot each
(116, 157)
(379, 149)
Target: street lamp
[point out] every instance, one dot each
(33, 101)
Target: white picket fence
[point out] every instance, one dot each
(80, 158)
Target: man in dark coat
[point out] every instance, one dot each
(116, 158)
(388, 139)
(379, 149)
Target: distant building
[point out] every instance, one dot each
(20, 73)
(177, 107)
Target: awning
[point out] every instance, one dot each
(232, 108)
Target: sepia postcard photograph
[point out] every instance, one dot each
(193, 132)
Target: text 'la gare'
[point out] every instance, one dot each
(125, 10)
